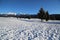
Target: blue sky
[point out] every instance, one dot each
(29, 6)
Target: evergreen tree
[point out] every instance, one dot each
(29, 17)
(41, 14)
(47, 16)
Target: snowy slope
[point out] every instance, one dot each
(28, 29)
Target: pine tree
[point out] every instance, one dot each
(47, 16)
(29, 17)
(41, 14)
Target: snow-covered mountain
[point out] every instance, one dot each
(28, 29)
(11, 13)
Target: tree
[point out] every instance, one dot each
(47, 16)
(41, 14)
(29, 17)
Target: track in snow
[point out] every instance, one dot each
(28, 29)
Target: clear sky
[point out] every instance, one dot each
(29, 6)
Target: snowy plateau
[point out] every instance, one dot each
(28, 29)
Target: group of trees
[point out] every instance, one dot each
(43, 15)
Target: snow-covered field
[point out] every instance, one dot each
(28, 29)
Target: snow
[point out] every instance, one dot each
(29, 29)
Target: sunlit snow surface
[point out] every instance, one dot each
(28, 29)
